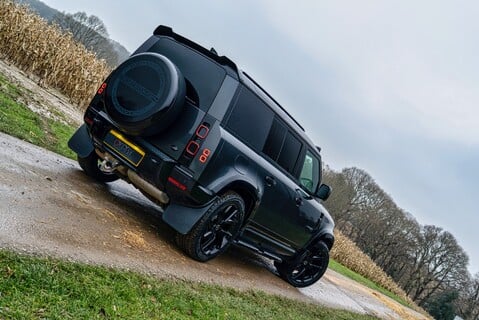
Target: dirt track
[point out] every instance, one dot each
(49, 207)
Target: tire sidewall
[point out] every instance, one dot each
(285, 270)
(201, 228)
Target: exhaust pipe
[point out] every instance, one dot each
(110, 164)
(150, 189)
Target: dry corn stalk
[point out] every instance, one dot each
(349, 255)
(42, 50)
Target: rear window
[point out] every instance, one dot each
(204, 75)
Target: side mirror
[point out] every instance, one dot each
(323, 192)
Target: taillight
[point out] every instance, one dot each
(192, 148)
(88, 121)
(202, 131)
(102, 88)
(194, 145)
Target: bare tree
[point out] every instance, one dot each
(91, 32)
(468, 305)
(425, 260)
(92, 22)
(439, 262)
(348, 197)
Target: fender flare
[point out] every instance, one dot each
(182, 218)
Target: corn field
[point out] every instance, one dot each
(349, 255)
(42, 50)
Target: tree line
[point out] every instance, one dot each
(425, 260)
(90, 31)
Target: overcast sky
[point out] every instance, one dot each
(388, 86)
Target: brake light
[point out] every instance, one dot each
(176, 183)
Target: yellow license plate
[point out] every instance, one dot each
(126, 149)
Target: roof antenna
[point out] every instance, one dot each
(213, 51)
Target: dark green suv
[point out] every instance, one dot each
(226, 162)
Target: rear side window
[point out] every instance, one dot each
(250, 119)
(289, 153)
(282, 146)
(275, 140)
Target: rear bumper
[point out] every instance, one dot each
(155, 167)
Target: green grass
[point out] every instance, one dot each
(339, 268)
(38, 288)
(19, 121)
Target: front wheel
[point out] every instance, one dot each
(308, 269)
(215, 232)
(91, 166)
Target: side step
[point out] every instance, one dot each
(266, 254)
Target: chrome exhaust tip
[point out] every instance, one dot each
(109, 164)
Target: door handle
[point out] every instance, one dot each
(298, 201)
(270, 181)
(298, 198)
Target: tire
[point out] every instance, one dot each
(145, 94)
(308, 269)
(91, 166)
(215, 232)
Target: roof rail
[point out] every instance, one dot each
(276, 102)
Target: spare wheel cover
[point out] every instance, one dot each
(141, 90)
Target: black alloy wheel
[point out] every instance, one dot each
(215, 232)
(308, 269)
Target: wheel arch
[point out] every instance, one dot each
(328, 239)
(247, 192)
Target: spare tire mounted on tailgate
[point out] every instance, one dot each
(145, 94)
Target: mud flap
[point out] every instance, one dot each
(81, 143)
(182, 218)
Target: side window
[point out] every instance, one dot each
(309, 177)
(282, 147)
(275, 140)
(250, 119)
(289, 153)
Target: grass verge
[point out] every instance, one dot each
(339, 268)
(51, 289)
(19, 121)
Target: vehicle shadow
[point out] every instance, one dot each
(146, 215)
